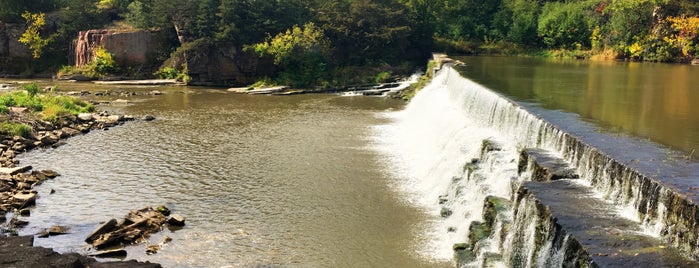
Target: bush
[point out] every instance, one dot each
(32, 89)
(383, 77)
(301, 52)
(167, 73)
(102, 64)
(15, 129)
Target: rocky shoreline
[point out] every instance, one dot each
(17, 182)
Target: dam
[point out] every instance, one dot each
(518, 185)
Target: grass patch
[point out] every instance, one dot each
(48, 107)
(15, 129)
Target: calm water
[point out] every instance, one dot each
(656, 101)
(263, 181)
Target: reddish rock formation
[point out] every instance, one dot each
(127, 47)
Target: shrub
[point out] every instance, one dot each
(167, 73)
(15, 129)
(32, 89)
(383, 77)
(301, 52)
(102, 64)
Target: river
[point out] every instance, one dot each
(321, 180)
(285, 181)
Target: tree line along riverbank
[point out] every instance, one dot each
(316, 43)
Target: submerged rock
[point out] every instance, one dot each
(445, 212)
(53, 231)
(176, 220)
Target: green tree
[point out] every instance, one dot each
(524, 21)
(300, 52)
(466, 19)
(80, 15)
(366, 32)
(32, 35)
(567, 24)
(250, 21)
(12, 10)
(630, 21)
(138, 15)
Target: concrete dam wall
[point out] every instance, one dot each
(517, 186)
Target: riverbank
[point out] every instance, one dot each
(19, 251)
(24, 130)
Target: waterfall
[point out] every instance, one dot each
(456, 149)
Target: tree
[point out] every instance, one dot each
(12, 10)
(630, 21)
(300, 52)
(524, 21)
(567, 24)
(366, 32)
(32, 35)
(138, 15)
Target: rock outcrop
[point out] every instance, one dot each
(134, 228)
(11, 50)
(129, 48)
(221, 64)
(20, 252)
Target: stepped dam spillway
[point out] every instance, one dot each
(515, 185)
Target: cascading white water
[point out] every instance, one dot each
(429, 142)
(427, 145)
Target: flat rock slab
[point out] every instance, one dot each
(14, 170)
(266, 90)
(149, 82)
(609, 239)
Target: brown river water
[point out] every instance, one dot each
(296, 181)
(280, 181)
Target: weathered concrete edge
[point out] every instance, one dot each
(681, 214)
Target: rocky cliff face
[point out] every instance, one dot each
(11, 50)
(221, 64)
(207, 63)
(129, 48)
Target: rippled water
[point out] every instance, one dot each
(263, 181)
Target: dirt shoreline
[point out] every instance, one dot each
(17, 195)
(18, 251)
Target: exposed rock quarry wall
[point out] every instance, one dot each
(127, 47)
